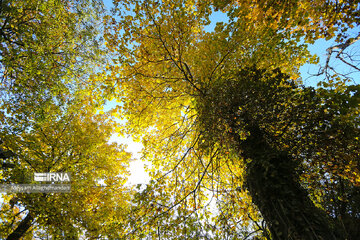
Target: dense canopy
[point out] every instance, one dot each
(236, 146)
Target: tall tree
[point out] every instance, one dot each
(51, 121)
(77, 143)
(222, 114)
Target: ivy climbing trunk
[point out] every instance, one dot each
(274, 187)
(250, 114)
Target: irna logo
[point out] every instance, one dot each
(52, 177)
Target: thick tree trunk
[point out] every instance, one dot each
(273, 184)
(24, 225)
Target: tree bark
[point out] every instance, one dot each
(274, 187)
(22, 228)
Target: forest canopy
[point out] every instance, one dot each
(237, 147)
